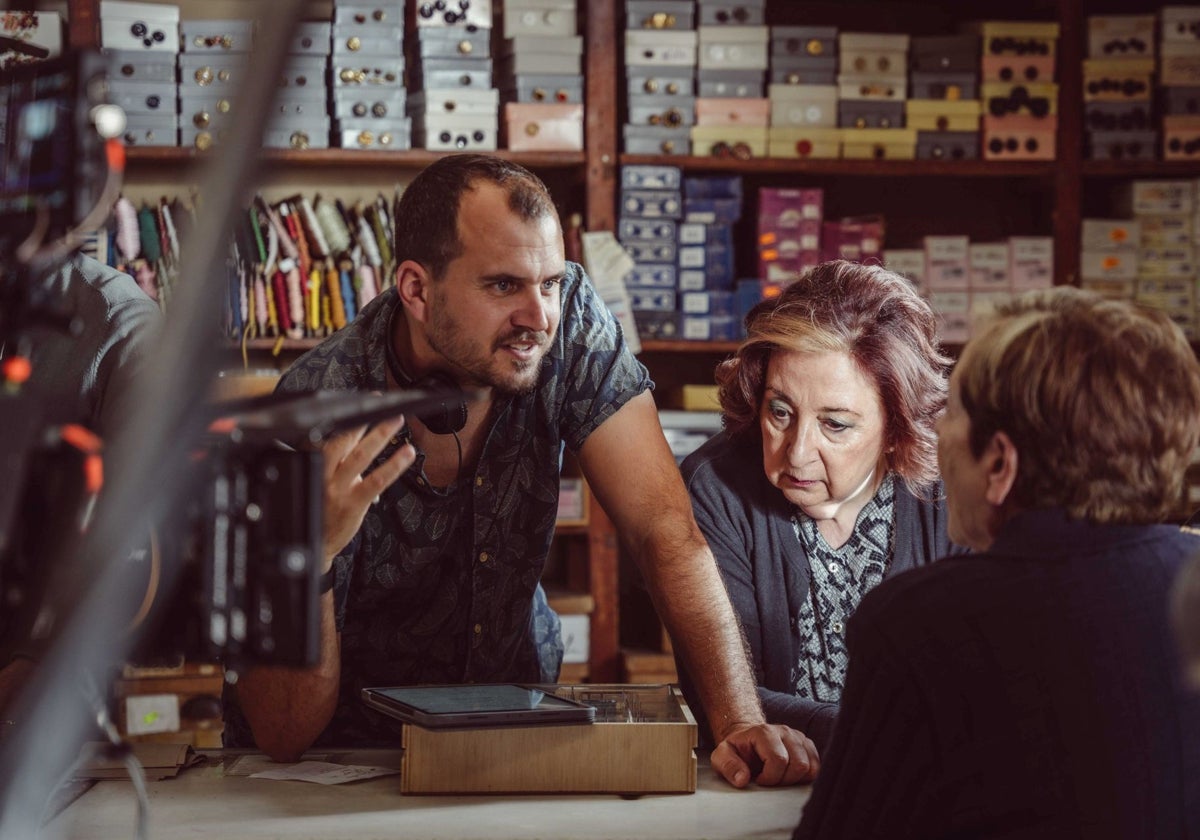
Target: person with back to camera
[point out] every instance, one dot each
(86, 377)
(1033, 689)
(824, 479)
(435, 582)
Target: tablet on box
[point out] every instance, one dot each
(464, 706)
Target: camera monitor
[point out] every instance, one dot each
(52, 159)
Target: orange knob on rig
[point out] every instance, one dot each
(16, 370)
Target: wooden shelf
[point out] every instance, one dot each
(690, 346)
(569, 602)
(366, 158)
(302, 344)
(571, 530)
(866, 168)
(283, 344)
(1141, 168)
(921, 196)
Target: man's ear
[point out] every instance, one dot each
(413, 285)
(1001, 459)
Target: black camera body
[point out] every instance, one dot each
(232, 574)
(52, 159)
(247, 544)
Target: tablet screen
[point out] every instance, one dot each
(476, 705)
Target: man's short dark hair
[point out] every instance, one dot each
(427, 213)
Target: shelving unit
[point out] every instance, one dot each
(979, 198)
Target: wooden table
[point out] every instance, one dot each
(206, 801)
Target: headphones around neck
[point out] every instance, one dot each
(448, 416)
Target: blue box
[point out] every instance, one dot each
(707, 303)
(714, 186)
(712, 210)
(653, 275)
(651, 298)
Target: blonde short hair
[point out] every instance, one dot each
(1100, 397)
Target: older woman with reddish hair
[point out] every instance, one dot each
(824, 480)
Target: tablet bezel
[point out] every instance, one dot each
(562, 710)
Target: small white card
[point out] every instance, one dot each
(148, 713)
(324, 773)
(607, 263)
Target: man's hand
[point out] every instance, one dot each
(348, 493)
(786, 756)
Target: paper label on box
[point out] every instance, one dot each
(148, 713)
(32, 36)
(947, 302)
(989, 265)
(952, 249)
(576, 637)
(1111, 233)
(907, 262)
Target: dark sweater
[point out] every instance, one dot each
(1030, 692)
(747, 522)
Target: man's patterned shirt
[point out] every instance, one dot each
(437, 586)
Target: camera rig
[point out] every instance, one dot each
(232, 573)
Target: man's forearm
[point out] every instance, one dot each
(287, 708)
(691, 599)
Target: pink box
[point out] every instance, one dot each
(531, 127)
(806, 234)
(798, 203)
(785, 270)
(857, 240)
(1017, 68)
(1019, 137)
(733, 111)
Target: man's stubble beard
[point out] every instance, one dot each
(447, 338)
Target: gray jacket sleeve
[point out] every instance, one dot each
(747, 523)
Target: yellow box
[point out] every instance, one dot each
(880, 144)
(699, 398)
(729, 141)
(804, 142)
(943, 114)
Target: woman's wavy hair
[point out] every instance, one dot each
(875, 317)
(1100, 397)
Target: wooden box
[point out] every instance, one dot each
(643, 741)
(183, 704)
